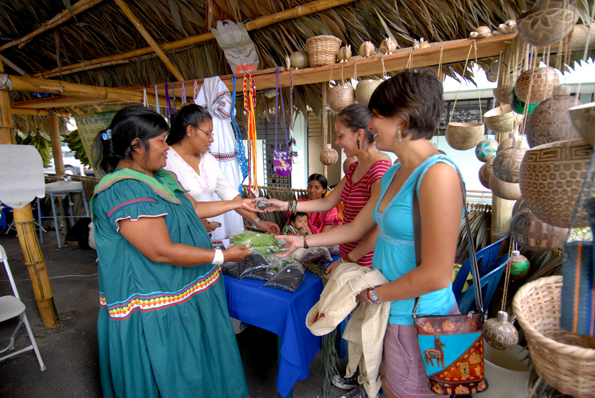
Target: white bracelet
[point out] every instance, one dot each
(218, 259)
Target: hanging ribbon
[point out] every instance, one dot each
(145, 98)
(250, 107)
(240, 151)
(291, 145)
(195, 94)
(168, 101)
(157, 100)
(183, 94)
(173, 94)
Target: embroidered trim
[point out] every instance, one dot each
(117, 221)
(224, 157)
(155, 301)
(158, 191)
(130, 203)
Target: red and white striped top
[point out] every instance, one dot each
(354, 197)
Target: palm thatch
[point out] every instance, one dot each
(103, 31)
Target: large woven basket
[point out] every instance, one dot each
(323, 50)
(563, 359)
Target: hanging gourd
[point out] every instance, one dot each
(583, 118)
(299, 59)
(541, 82)
(503, 189)
(486, 149)
(485, 173)
(365, 89)
(502, 119)
(547, 23)
(507, 163)
(519, 265)
(551, 178)
(534, 234)
(499, 333)
(550, 121)
(503, 93)
(348, 162)
(329, 156)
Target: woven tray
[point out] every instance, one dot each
(563, 359)
(322, 50)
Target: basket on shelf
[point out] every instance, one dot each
(563, 359)
(323, 50)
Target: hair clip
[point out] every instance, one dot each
(107, 135)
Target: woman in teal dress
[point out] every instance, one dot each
(164, 328)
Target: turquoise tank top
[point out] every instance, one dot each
(394, 254)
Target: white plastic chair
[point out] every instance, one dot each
(11, 307)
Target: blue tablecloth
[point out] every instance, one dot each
(284, 314)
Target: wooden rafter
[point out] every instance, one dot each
(59, 19)
(258, 23)
(139, 26)
(13, 66)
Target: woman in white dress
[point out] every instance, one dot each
(190, 136)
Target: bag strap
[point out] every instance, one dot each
(417, 237)
(279, 93)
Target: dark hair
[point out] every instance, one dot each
(355, 117)
(189, 115)
(321, 179)
(415, 95)
(293, 216)
(128, 124)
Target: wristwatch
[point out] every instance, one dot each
(373, 296)
(255, 223)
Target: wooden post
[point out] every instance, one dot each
(6, 134)
(501, 209)
(324, 115)
(56, 145)
(35, 263)
(128, 12)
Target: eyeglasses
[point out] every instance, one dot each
(209, 135)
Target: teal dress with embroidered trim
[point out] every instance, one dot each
(163, 330)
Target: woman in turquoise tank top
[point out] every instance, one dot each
(407, 110)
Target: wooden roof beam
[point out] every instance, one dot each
(128, 12)
(39, 112)
(59, 19)
(257, 23)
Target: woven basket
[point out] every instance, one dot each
(563, 359)
(322, 50)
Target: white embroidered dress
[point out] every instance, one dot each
(215, 96)
(204, 187)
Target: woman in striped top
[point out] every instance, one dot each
(360, 184)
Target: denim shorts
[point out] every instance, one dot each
(404, 369)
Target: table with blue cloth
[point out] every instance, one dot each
(284, 314)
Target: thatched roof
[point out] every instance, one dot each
(104, 30)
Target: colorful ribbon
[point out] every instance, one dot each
(157, 100)
(250, 107)
(168, 100)
(291, 144)
(240, 151)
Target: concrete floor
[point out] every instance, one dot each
(70, 350)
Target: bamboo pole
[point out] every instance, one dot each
(501, 217)
(128, 12)
(324, 115)
(6, 133)
(258, 23)
(56, 146)
(35, 263)
(62, 17)
(39, 112)
(13, 66)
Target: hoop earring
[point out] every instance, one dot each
(399, 136)
(357, 144)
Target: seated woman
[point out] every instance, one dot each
(188, 157)
(360, 184)
(406, 112)
(318, 221)
(163, 326)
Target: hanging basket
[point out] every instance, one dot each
(323, 50)
(365, 89)
(463, 136)
(340, 97)
(563, 359)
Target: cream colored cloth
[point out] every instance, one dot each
(365, 330)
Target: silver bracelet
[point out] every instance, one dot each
(255, 223)
(218, 259)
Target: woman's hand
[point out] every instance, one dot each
(236, 253)
(294, 242)
(332, 268)
(269, 227)
(363, 296)
(210, 226)
(250, 205)
(276, 205)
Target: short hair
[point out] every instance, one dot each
(189, 115)
(128, 124)
(355, 117)
(416, 96)
(293, 216)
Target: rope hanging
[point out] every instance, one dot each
(250, 107)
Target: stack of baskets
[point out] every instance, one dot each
(323, 50)
(563, 359)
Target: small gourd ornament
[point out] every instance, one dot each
(519, 265)
(329, 156)
(499, 333)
